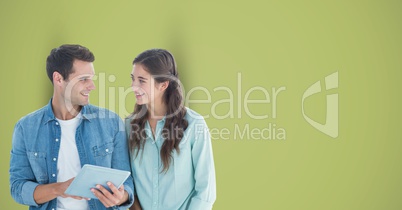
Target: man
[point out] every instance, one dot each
(51, 145)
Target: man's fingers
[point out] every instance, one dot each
(104, 191)
(116, 192)
(69, 181)
(75, 197)
(105, 197)
(112, 187)
(101, 197)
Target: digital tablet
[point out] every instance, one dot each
(91, 175)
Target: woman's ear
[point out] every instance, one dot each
(163, 85)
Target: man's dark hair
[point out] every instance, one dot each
(61, 59)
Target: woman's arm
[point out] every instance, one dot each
(204, 169)
(136, 205)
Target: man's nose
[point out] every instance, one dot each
(91, 85)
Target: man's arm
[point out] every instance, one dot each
(22, 179)
(24, 188)
(124, 196)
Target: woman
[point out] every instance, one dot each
(170, 145)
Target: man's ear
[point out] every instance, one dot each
(57, 78)
(163, 85)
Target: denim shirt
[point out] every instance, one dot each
(190, 181)
(100, 140)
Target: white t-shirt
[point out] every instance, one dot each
(68, 164)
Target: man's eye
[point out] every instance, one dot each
(142, 81)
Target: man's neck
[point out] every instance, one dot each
(63, 112)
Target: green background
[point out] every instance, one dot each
(288, 44)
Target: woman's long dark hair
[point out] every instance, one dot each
(161, 65)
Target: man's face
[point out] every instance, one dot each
(79, 84)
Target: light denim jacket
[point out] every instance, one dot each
(100, 140)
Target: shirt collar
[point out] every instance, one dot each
(163, 119)
(49, 116)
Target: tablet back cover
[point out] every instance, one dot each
(91, 175)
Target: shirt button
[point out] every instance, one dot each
(53, 175)
(107, 150)
(52, 208)
(54, 159)
(57, 123)
(57, 140)
(36, 154)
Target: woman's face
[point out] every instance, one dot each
(147, 90)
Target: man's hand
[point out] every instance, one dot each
(109, 199)
(63, 187)
(46, 192)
